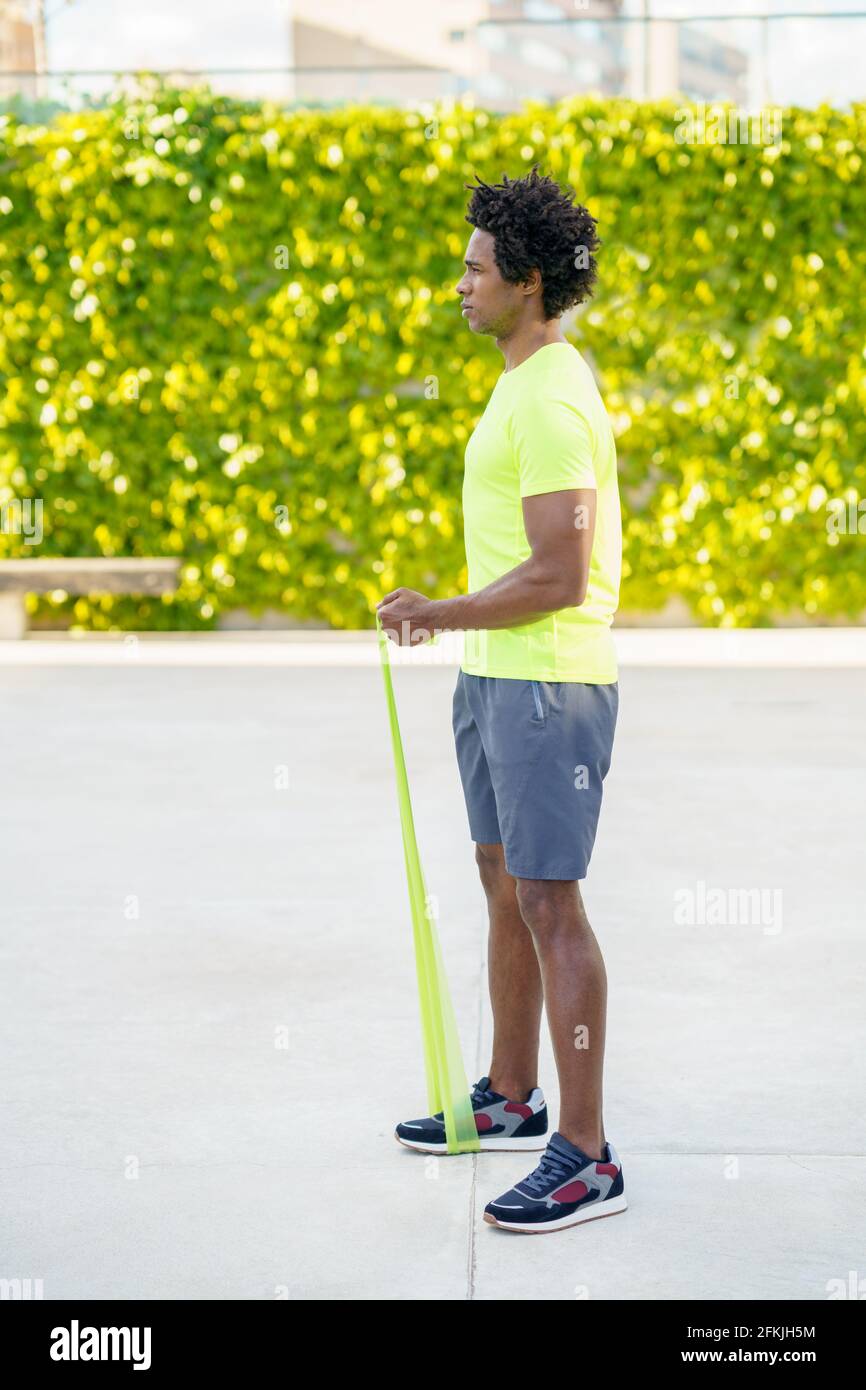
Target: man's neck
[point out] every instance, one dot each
(526, 340)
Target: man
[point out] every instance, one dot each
(537, 694)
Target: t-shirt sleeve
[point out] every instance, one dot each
(553, 446)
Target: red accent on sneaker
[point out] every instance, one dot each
(572, 1192)
(609, 1169)
(483, 1122)
(517, 1107)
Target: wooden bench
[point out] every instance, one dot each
(103, 575)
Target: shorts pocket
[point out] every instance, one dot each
(536, 695)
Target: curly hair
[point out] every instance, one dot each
(538, 226)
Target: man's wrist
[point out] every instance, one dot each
(452, 614)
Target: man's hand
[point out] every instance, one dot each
(407, 617)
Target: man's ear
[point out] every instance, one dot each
(532, 283)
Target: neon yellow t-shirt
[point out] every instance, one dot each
(545, 429)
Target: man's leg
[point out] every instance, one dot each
(575, 996)
(514, 980)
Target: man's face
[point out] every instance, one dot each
(490, 304)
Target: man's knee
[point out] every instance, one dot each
(549, 905)
(491, 866)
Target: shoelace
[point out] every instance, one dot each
(477, 1099)
(551, 1166)
(480, 1097)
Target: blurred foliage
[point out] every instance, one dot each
(230, 333)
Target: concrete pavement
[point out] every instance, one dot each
(209, 996)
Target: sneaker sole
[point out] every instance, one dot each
(532, 1143)
(611, 1208)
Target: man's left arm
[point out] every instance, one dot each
(553, 448)
(559, 528)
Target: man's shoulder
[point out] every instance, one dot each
(562, 394)
(566, 376)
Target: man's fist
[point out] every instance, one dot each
(407, 617)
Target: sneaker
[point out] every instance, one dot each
(566, 1188)
(509, 1125)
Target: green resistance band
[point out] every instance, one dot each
(447, 1089)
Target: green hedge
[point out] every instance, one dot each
(230, 334)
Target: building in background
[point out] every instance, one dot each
(709, 69)
(697, 63)
(503, 52)
(535, 55)
(500, 53)
(18, 45)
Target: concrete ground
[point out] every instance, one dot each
(210, 1014)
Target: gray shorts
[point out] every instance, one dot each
(532, 758)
